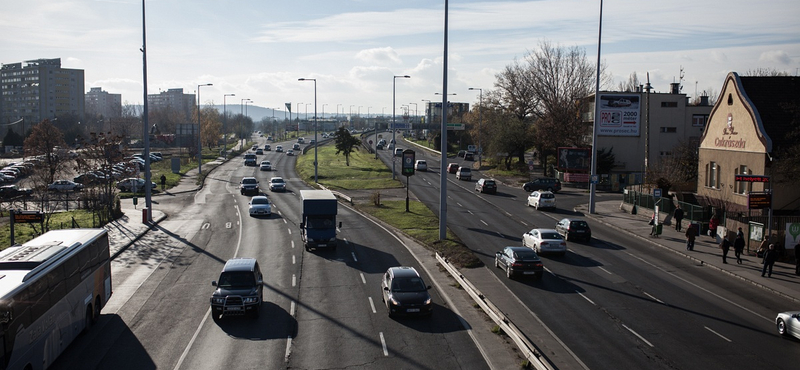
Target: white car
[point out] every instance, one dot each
(421, 165)
(545, 241)
(134, 185)
(64, 185)
(290, 152)
(542, 199)
(265, 166)
(788, 323)
(277, 184)
(259, 206)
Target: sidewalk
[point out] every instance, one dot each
(706, 251)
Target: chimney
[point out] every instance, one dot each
(675, 88)
(704, 100)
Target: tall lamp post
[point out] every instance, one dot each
(480, 122)
(199, 139)
(394, 100)
(593, 170)
(225, 121)
(350, 118)
(415, 114)
(315, 123)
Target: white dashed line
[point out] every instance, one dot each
(372, 305)
(345, 241)
(607, 272)
(354, 256)
(294, 279)
(718, 334)
(291, 309)
(290, 231)
(383, 343)
(585, 297)
(293, 260)
(292, 243)
(288, 349)
(654, 298)
(363, 280)
(484, 222)
(637, 334)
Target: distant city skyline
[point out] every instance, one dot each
(354, 47)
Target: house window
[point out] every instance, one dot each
(712, 175)
(699, 120)
(671, 130)
(669, 104)
(743, 187)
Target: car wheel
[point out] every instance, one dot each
(508, 272)
(550, 189)
(782, 327)
(526, 188)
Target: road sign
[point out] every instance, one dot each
(595, 180)
(28, 217)
(408, 162)
(656, 193)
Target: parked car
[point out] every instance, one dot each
(542, 199)
(277, 184)
(239, 290)
(788, 323)
(404, 292)
(64, 185)
(543, 183)
(420, 165)
(574, 229)
(544, 241)
(519, 261)
(248, 185)
(86, 178)
(134, 184)
(265, 166)
(464, 173)
(486, 186)
(14, 191)
(452, 168)
(259, 206)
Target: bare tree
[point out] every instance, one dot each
(764, 72)
(632, 84)
(46, 143)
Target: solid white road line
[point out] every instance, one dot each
(718, 334)
(383, 343)
(637, 334)
(191, 342)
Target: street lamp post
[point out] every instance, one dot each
(199, 140)
(394, 101)
(323, 111)
(415, 114)
(225, 121)
(315, 123)
(480, 122)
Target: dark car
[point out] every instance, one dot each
(574, 229)
(486, 186)
(469, 156)
(249, 185)
(519, 261)
(405, 293)
(13, 191)
(239, 289)
(543, 183)
(461, 153)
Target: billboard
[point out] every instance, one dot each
(574, 159)
(619, 115)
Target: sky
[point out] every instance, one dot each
(259, 49)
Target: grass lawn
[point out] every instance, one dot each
(364, 172)
(60, 220)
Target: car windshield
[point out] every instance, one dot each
(277, 181)
(319, 223)
(260, 201)
(408, 284)
(249, 181)
(236, 279)
(551, 235)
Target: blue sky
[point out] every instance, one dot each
(258, 49)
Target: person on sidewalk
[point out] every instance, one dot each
(691, 233)
(797, 259)
(770, 255)
(678, 216)
(712, 226)
(725, 245)
(738, 246)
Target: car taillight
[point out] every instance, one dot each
(564, 244)
(538, 264)
(516, 264)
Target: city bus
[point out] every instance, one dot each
(52, 288)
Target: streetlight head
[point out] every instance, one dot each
(474, 88)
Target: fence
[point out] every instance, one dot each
(692, 213)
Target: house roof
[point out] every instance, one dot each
(777, 99)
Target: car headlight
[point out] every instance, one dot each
(427, 301)
(217, 300)
(251, 300)
(394, 301)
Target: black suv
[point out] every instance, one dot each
(486, 186)
(239, 290)
(574, 229)
(249, 185)
(543, 183)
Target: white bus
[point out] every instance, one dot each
(52, 288)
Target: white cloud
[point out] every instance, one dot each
(776, 56)
(380, 56)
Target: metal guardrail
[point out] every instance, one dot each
(527, 348)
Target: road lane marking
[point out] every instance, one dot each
(228, 225)
(345, 241)
(637, 334)
(191, 341)
(459, 204)
(293, 260)
(484, 222)
(372, 305)
(718, 334)
(206, 226)
(291, 309)
(292, 243)
(654, 298)
(470, 212)
(501, 234)
(354, 256)
(290, 231)
(362, 278)
(284, 220)
(586, 298)
(607, 272)
(383, 343)
(288, 349)
(294, 279)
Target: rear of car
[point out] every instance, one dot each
(452, 168)
(464, 173)
(519, 261)
(421, 165)
(488, 186)
(573, 229)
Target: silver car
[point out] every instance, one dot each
(788, 323)
(544, 241)
(259, 206)
(542, 199)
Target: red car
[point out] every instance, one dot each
(452, 168)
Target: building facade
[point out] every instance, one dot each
(40, 89)
(175, 100)
(747, 130)
(102, 103)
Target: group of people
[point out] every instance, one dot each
(767, 250)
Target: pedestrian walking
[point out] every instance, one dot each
(797, 259)
(725, 245)
(738, 246)
(712, 226)
(691, 233)
(163, 182)
(770, 255)
(678, 216)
